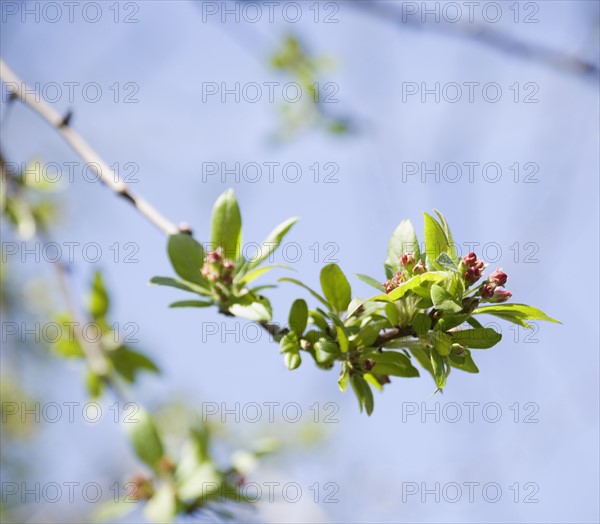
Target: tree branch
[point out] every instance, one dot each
(482, 35)
(83, 149)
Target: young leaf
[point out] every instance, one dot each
(187, 258)
(451, 246)
(227, 225)
(252, 307)
(259, 271)
(441, 342)
(450, 321)
(435, 240)
(298, 316)
(289, 343)
(478, 338)
(443, 300)
(517, 313)
(439, 370)
(178, 284)
(464, 364)
(99, 301)
(420, 285)
(369, 281)
(421, 323)
(404, 240)
(145, 439)
(336, 287)
(393, 363)
(363, 393)
(369, 333)
(343, 380)
(271, 243)
(191, 303)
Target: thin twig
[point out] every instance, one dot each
(83, 149)
(490, 37)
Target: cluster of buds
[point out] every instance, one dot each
(394, 282)
(218, 269)
(409, 268)
(491, 290)
(473, 268)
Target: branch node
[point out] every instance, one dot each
(66, 120)
(185, 228)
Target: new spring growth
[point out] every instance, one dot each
(474, 268)
(218, 269)
(407, 261)
(490, 290)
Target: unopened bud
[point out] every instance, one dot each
(470, 259)
(498, 277)
(487, 290)
(369, 364)
(419, 268)
(407, 260)
(500, 295)
(472, 275)
(213, 257)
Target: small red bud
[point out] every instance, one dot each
(213, 257)
(369, 364)
(407, 260)
(486, 290)
(470, 259)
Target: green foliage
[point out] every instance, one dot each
(429, 296)
(222, 276)
(108, 359)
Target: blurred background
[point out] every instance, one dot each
(488, 113)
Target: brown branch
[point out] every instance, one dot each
(394, 333)
(62, 125)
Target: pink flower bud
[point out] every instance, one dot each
(213, 257)
(486, 291)
(498, 277)
(228, 265)
(472, 275)
(500, 295)
(470, 259)
(407, 260)
(419, 268)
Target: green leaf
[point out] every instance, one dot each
(421, 323)
(446, 263)
(328, 348)
(363, 393)
(517, 313)
(441, 342)
(478, 338)
(392, 313)
(298, 317)
(420, 285)
(393, 363)
(258, 272)
(252, 307)
(450, 321)
(272, 242)
(289, 343)
(162, 507)
(369, 333)
(443, 300)
(292, 360)
(191, 303)
(320, 320)
(464, 364)
(187, 258)
(343, 380)
(144, 436)
(436, 242)
(313, 293)
(227, 225)
(439, 370)
(354, 306)
(404, 240)
(336, 287)
(128, 362)
(178, 284)
(94, 384)
(369, 281)
(451, 246)
(98, 301)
